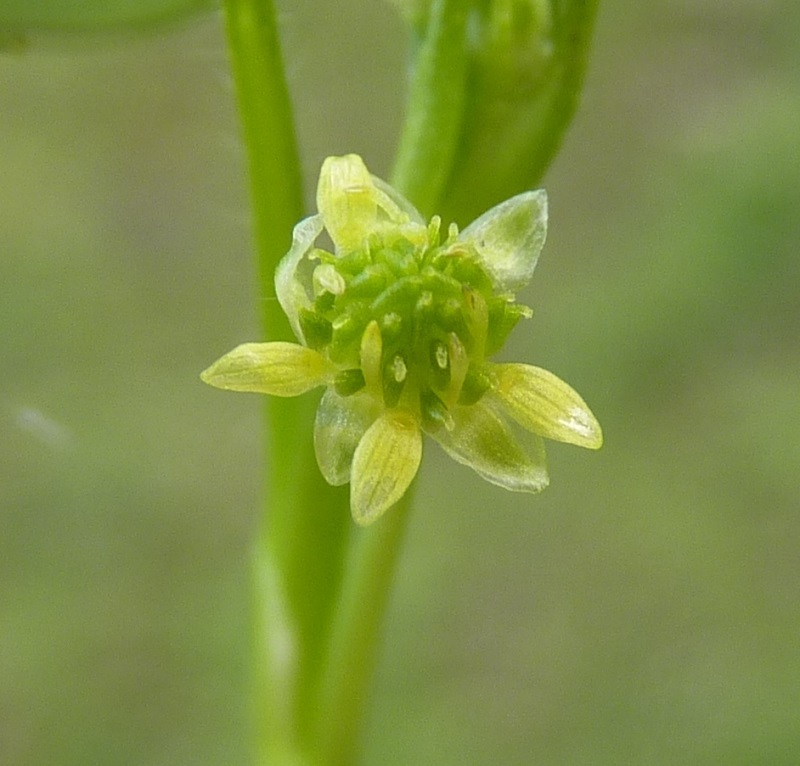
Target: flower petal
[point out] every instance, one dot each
(384, 465)
(347, 200)
(280, 369)
(546, 405)
(509, 238)
(290, 291)
(397, 208)
(485, 441)
(338, 428)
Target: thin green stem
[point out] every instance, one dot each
(274, 167)
(298, 554)
(355, 635)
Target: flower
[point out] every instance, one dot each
(398, 323)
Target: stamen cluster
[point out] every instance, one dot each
(430, 307)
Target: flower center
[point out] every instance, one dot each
(437, 316)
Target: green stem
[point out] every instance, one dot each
(274, 166)
(355, 635)
(512, 132)
(435, 107)
(299, 551)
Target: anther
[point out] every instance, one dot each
(434, 412)
(452, 232)
(439, 360)
(394, 376)
(441, 356)
(391, 324)
(327, 279)
(399, 369)
(425, 301)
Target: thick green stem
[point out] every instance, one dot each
(525, 82)
(494, 86)
(435, 108)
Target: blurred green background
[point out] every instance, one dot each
(645, 610)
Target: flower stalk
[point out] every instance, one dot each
(353, 645)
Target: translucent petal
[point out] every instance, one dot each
(395, 205)
(291, 294)
(485, 441)
(546, 405)
(347, 201)
(509, 238)
(338, 428)
(384, 465)
(279, 369)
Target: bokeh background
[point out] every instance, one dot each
(644, 611)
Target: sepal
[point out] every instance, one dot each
(509, 237)
(288, 287)
(483, 439)
(340, 424)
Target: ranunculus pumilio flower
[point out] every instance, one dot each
(398, 323)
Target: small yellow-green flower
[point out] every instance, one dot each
(398, 323)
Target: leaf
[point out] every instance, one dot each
(487, 116)
(25, 16)
(436, 103)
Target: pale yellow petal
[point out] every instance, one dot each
(384, 465)
(546, 405)
(347, 201)
(279, 369)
